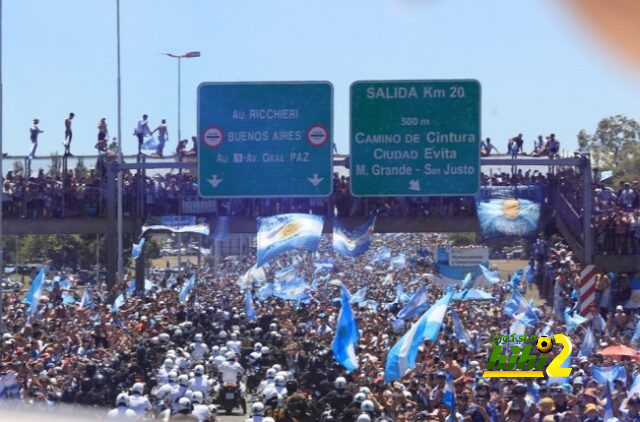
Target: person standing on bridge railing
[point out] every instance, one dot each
(68, 134)
(163, 136)
(141, 131)
(103, 135)
(34, 131)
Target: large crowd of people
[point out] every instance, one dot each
(160, 357)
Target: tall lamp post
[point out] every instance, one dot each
(189, 55)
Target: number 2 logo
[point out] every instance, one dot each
(554, 369)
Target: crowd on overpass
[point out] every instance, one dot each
(148, 357)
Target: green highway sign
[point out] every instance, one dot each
(415, 138)
(265, 139)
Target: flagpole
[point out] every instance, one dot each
(120, 156)
(2, 184)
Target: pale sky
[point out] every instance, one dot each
(540, 70)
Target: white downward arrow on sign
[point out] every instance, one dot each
(315, 180)
(414, 185)
(215, 181)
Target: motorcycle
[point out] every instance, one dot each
(230, 397)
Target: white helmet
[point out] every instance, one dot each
(273, 326)
(367, 406)
(257, 347)
(257, 409)
(265, 350)
(277, 367)
(268, 419)
(359, 398)
(197, 397)
(230, 355)
(223, 350)
(183, 380)
(363, 418)
(340, 383)
(234, 336)
(122, 400)
(173, 377)
(215, 350)
(280, 381)
(168, 363)
(365, 390)
(286, 374)
(138, 388)
(271, 373)
(164, 337)
(198, 370)
(184, 404)
(222, 334)
(198, 338)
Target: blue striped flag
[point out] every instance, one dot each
(186, 289)
(33, 297)
(382, 255)
(459, 331)
(281, 233)
(86, 301)
(449, 396)
(352, 242)
(418, 304)
(136, 250)
(588, 344)
(402, 356)
(249, 309)
(398, 262)
(359, 297)
(346, 337)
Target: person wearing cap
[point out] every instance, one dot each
(437, 393)
(546, 408)
(631, 410)
(519, 401)
(591, 413)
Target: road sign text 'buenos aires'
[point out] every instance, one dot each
(265, 139)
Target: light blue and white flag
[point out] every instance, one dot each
(68, 299)
(291, 290)
(398, 262)
(608, 406)
(86, 301)
(516, 279)
(346, 337)
(472, 294)
(449, 396)
(151, 143)
(352, 242)
(117, 303)
(572, 319)
(459, 331)
(33, 297)
(547, 329)
(323, 265)
(249, 309)
(136, 250)
(636, 333)
(467, 282)
(359, 297)
(265, 291)
(588, 344)
(607, 174)
(131, 287)
(371, 304)
(254, 275)
(635, 386)
(284, 232)
(382, 255)
(598, 323)
(609, 374)
(186, 289)
(417, 305)
(515, 304)
(402, 356)
(491, 277)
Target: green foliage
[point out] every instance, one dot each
(55, 167)
(18, 166)
(81, 169)
(70, 251)
(462, 239)
(615, 145)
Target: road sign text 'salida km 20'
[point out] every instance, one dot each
(265, 139)
(415, 138)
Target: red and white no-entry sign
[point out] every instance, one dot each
(213, 136)
(317, 135)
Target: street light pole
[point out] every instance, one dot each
(120, 156)
(1, 186)
(189, 55)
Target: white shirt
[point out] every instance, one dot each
(255, 419)
(199, 350)
(201, 411)
(218, 361)
(165, 390)
(200, 384)
(139, 404)
(235, 345)
(264, 384)
(230, 372)
(120, 413)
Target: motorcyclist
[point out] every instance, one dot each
(257, 413)
(352, 411)
(166, 389)
(122, 410)
(339, 398)
(200, 409)
(183, 411)
(231, 372)
(234, 344)
(198, 348)
(138, 401)
(270, 379)
(180, 391)
(163, 373)
(199, 382)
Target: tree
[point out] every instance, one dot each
(81, 169)
(462, 239)
(56, 165)
(18, 166)
(615, 145)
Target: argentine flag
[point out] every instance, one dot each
(459, 331)
(588, 344)
(33, 297)
(249, 309)
(292, 290)
(418, 304)
(398, 262)
(285, 232)
(358, 298)
(402, 357)
(352, 242)
(383, 254)
(136, 250)
(86, 302)
(186, 289)
(449, 396)
(346, 337)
